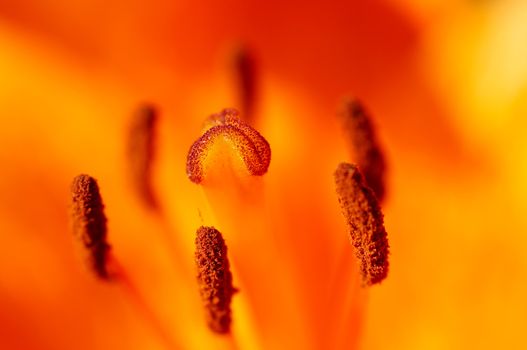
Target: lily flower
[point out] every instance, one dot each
(265, 227)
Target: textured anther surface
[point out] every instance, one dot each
(89, 222)
(214, 278)
(365, 222)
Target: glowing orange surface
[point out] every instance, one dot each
(446, 83)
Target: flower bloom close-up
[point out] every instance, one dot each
(263, 174)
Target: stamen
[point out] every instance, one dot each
(251, 146)
(89, 227)
(89, 222)
(364, 147)
(214, 278)
(365, 222)
(245, 71)
(141, 153)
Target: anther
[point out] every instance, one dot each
(141, 153)
(89, 222)
(214, 278)
(364, 148)
(247, 142)
(365, 222)
(245, 73)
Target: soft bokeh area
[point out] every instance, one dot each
(446, 84)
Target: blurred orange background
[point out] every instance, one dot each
(446, 82)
